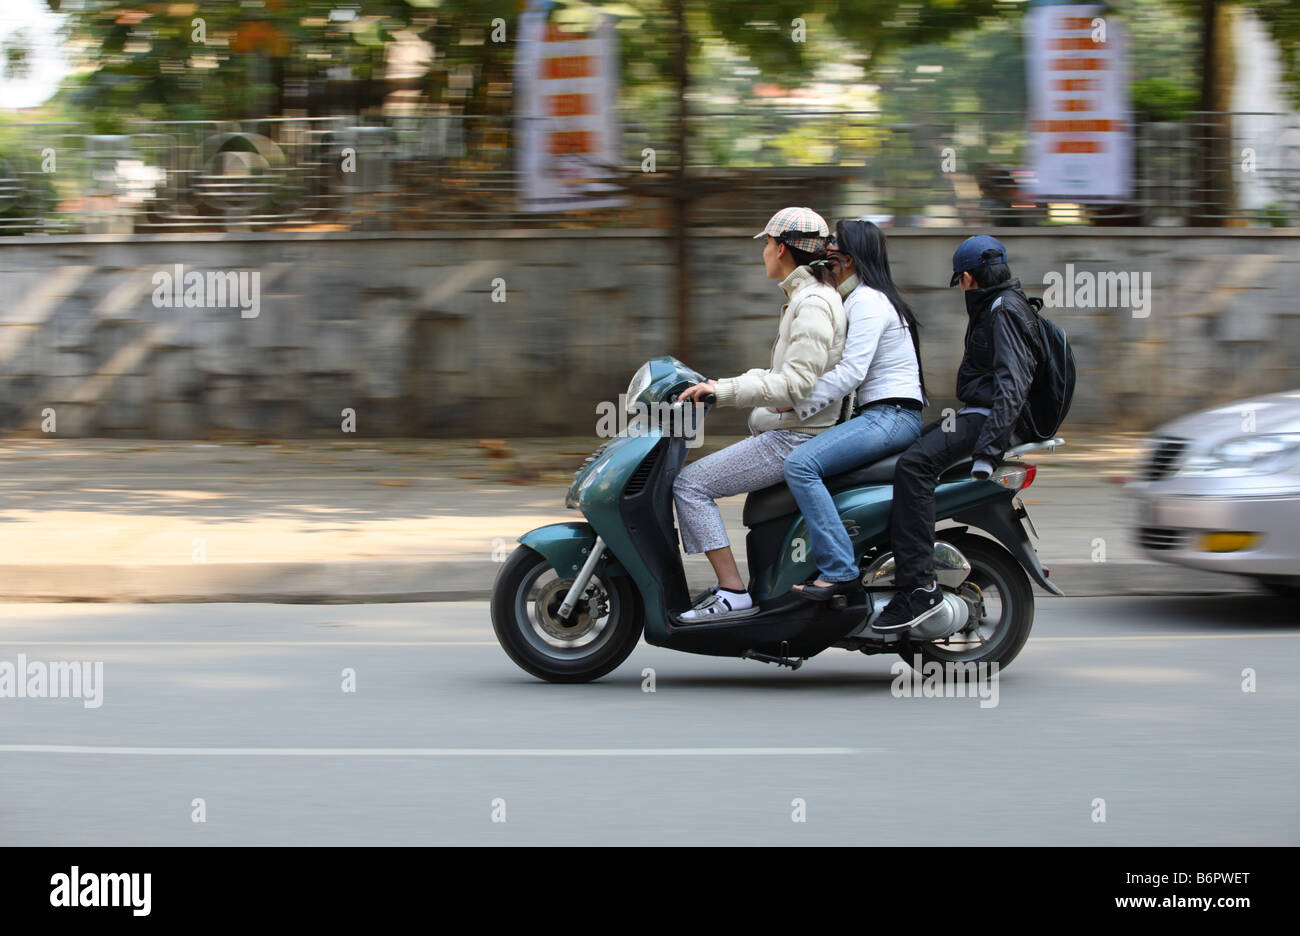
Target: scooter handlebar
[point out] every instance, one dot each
(708, 399)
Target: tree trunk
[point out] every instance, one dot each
(681, 195)
(1214, 160)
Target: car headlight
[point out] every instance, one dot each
(1246, 455)
(641, 381)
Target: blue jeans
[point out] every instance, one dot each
(875, 433)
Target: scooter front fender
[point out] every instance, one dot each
(566, 547)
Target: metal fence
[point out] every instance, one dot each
(448, 171)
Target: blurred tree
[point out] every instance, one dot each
(1215, 68)
(1161, 100)
(1214, 18)
(230, 59)
(773, 35)
(184, 59)
(15, 56)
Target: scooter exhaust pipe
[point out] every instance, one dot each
(947, 622)
(951, 568)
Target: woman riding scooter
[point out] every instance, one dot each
(809, 341)
(882, 365)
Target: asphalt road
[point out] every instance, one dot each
(1135, 701)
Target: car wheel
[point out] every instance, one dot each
(1282, 589)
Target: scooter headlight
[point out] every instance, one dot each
(1245, 455)
(591, 477)
(641, 381)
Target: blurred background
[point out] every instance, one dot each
(315, 301)
(480, 217)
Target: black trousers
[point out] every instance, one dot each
(911, 524)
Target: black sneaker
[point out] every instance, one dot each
(909, 608)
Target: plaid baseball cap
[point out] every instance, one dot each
(800, 228)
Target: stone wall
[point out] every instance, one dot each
(404, 330)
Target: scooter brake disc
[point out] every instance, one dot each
(580, 620)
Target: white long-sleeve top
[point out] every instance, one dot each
(879, 361)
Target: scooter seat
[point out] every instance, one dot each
(777, 500)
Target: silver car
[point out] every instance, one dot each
(1220, 490)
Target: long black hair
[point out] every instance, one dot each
(815, 261)
(865, 243)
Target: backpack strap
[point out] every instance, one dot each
(1028, 328)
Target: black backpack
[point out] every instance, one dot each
(1053, 387)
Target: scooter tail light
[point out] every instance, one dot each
(1016, 476)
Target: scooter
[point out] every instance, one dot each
(571, 602)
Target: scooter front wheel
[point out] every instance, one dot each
(597, 636)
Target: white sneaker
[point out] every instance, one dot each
(705, 596)
(722, 604)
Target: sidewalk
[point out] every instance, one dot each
(321, 521)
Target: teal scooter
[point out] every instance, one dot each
(571, 602)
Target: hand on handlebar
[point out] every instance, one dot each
(697, 393)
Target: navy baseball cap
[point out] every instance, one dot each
(967, 256)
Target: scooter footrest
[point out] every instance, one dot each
(791, 662)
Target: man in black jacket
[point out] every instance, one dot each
(1002, 355)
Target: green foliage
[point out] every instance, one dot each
(145, 61)
(223, 58)
(15, 56)
(1276, 215)
(1283, 20)
(1160, 99)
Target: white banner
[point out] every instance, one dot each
(566, 90)
(1080, 135)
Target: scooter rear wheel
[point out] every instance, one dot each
(1008, 601)
(598, 635)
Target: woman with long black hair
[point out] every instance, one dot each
(881, 365)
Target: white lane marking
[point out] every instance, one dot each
(429, 752)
